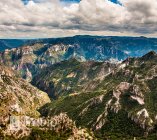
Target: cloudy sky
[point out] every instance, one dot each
(58, 18)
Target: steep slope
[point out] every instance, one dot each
(29, 59)
(122, 105)
(17, 97)
(71, 77)
(19, 116)
(58, 127)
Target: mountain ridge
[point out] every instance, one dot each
(126, 95)
(35, 55)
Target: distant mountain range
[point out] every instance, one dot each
(28, 56)
(105, 46)
(11, 43)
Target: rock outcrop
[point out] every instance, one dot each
(18, 97)
(22, 126)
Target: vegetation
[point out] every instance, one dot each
(119, 125)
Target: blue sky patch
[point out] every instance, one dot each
(116, 1)
(68, 1)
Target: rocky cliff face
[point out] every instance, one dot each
(72, 77)
(28, 60)
(17, 97)
(19, 116)
(58, 126)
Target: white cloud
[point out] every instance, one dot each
(51, 18)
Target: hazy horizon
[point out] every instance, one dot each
(74, 36)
